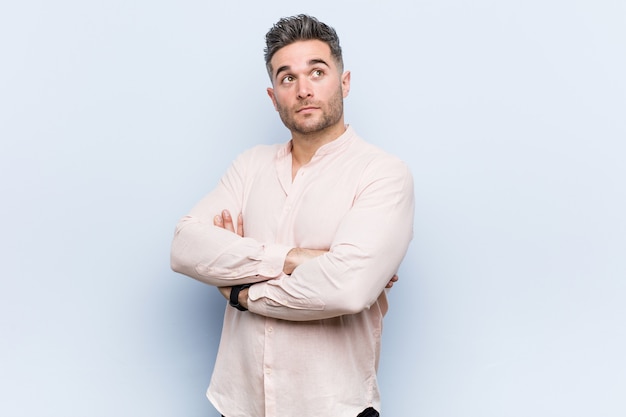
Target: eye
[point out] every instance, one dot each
(287, 79)
(318, 73)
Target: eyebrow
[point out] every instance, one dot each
(312, 62)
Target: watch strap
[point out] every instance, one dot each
(234, 296)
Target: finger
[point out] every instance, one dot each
(391, 281)
(228, 221)
(217, 221)
(240, 225)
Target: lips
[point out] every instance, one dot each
(306, 109)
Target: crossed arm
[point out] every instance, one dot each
(294, 258)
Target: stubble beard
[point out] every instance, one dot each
(331, 115)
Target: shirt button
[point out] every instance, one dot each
(270, 329)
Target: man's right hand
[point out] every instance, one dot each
(225, 221)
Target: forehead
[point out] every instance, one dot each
(301, 53)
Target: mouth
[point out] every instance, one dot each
(307, 109)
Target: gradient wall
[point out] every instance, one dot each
(117, 116)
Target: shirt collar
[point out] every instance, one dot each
(331, 147)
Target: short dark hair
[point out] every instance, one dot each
(300, 28)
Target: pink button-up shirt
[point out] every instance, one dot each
(310, 342)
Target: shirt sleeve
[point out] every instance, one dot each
(367, 250)
(219, 257)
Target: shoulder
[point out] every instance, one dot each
(253, 160)
(379, 162)
(258, 156)
(261, 152)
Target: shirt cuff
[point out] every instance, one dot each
(273, 261)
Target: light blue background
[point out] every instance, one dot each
(117, 116)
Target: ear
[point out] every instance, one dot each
(270, 93)
(345, 83)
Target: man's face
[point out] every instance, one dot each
(308, 87)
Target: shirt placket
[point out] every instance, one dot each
(284, 235)
(269, 382)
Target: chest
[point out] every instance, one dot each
(305, 211)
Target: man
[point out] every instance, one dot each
(301, 238)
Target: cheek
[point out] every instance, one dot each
(281, 100)
(334, 91)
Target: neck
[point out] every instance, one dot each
(304, 145)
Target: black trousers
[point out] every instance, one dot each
(368, 412)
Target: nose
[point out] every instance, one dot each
(305, 89)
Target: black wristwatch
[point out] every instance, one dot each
(234, 296)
